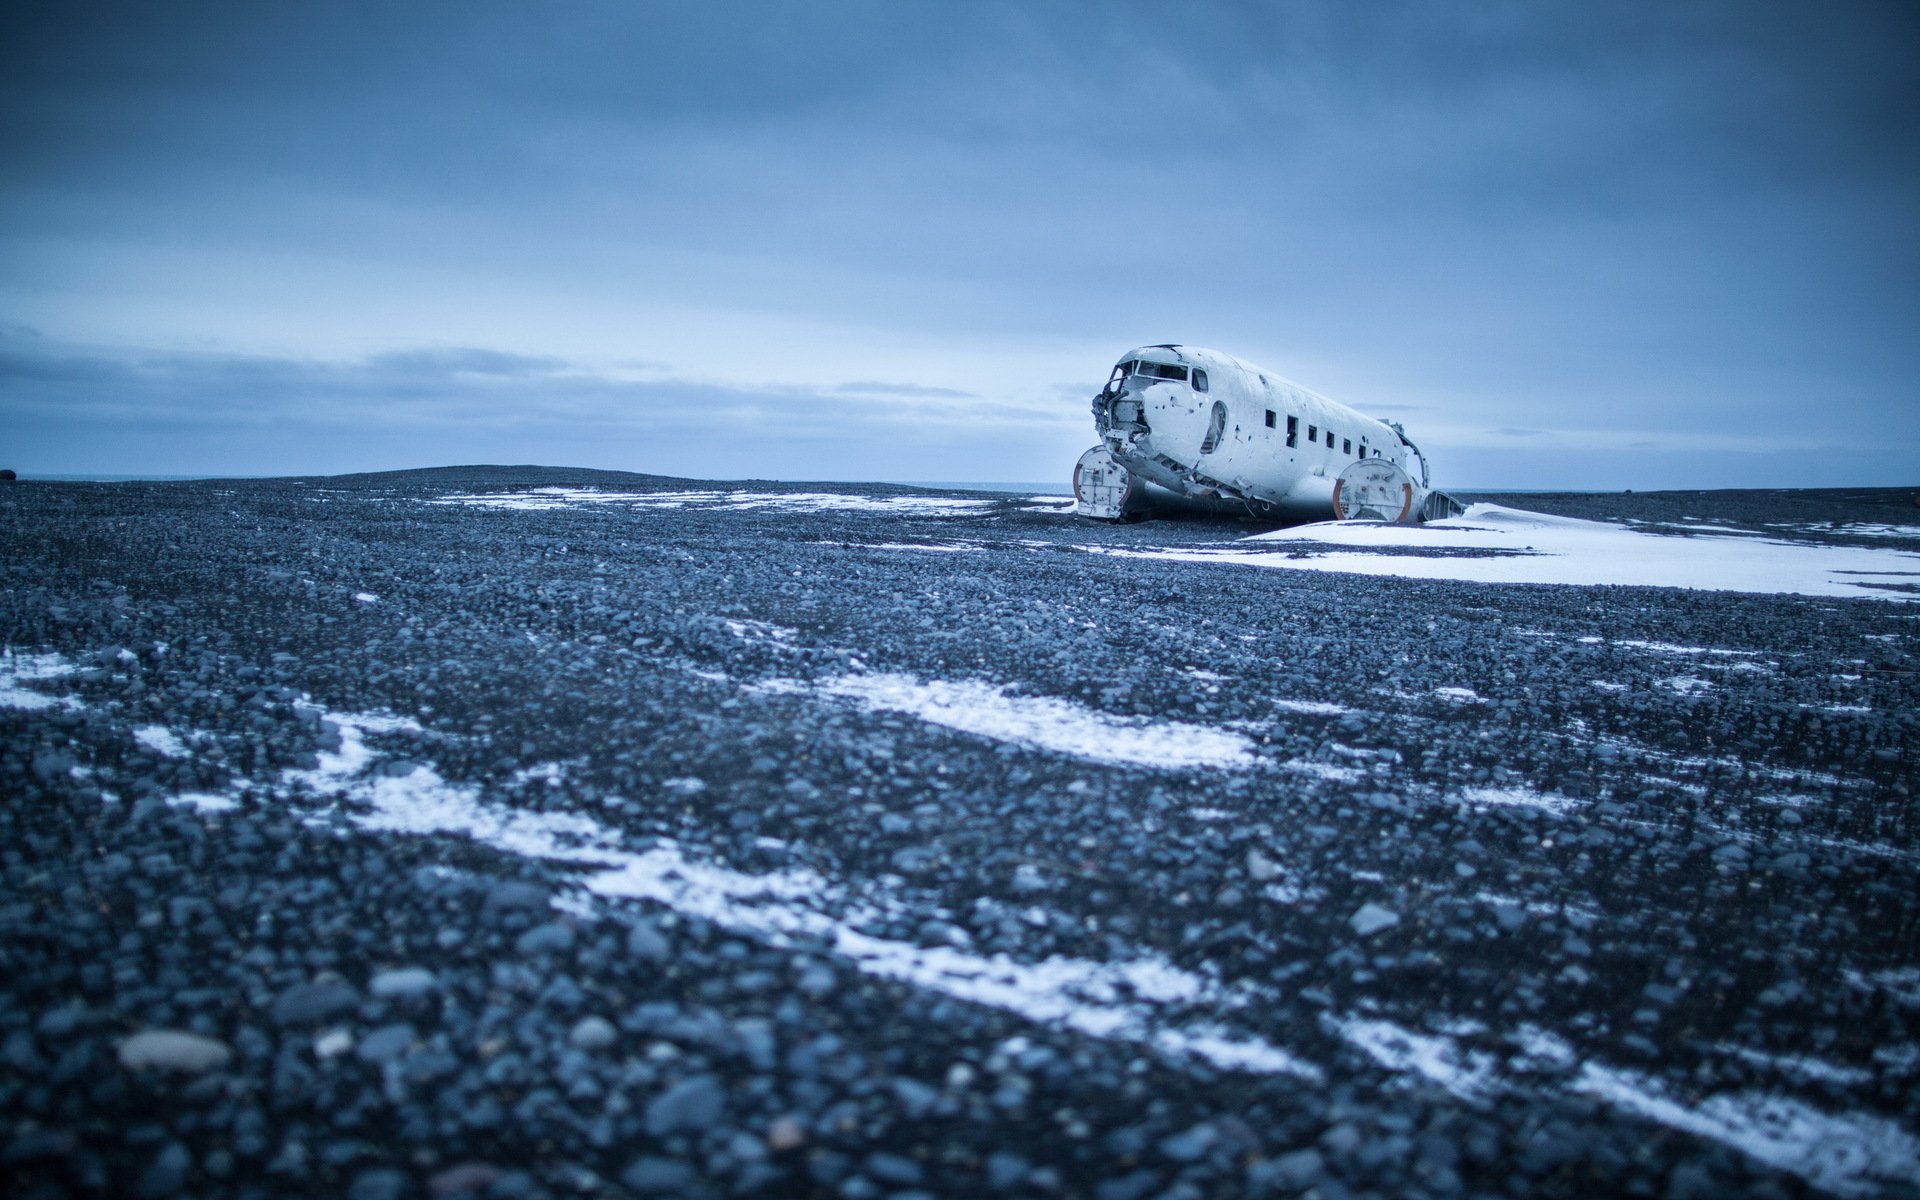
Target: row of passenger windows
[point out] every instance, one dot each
(1313, 436)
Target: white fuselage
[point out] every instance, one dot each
(1207, 427)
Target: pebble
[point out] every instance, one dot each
(402, 983)
(379, 1183)
(166, 1173)
(385, 1043)
(1371, 918)
(645, 942)
(692, 1104)
(593, 1033)
(653, 1176)
(308, 1003)
(553, 938)
(785, 1133)
(174, 1050)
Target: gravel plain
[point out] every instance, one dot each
(433, 834)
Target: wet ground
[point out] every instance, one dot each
(436, 834)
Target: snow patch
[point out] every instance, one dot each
(1802, 1066)
(547, 499)
(207, 802)
(1313, 708)
(1511, 546)
(1671, 648)
(1516, 797)
(1439, 1059)
(16, 669)
(928, 547)
(160, 740)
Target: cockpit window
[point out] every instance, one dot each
(1199, 380)
(1154, 370)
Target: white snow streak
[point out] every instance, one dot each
(1847, 1154)
(1516, 797)
(1464, 1073)
(1314, 708)
(989, 711)
(1102, 999)
(549, 498)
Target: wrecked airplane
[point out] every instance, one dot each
(1181, 427)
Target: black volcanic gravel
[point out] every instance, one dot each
(1552, 901)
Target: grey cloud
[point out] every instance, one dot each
(1688, 214)
(266, 401)
(464, 361)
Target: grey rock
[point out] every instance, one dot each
(402, 983)
(166, 1173)
(463, 1178)
(652, 1176)
(817, 981)
(1188, 1146)
(385, 1043)
(1298, 1169)
(173, 1050)
(514, 894)
(1005, 1171)
(380, 1183)
(1135, 1185)
(307, 1003)
(1260, 868)
(1371, 918)
(555, 937)
(692, 1104)
(593, 1033)
(895, 1169)
(646, 943)
(38, 1145)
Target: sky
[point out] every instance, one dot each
(1568, 245)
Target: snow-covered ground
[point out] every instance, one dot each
(1495, 544)
(741, 500)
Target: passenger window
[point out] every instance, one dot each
(1313, 434)
(1293, 431)
(1346, 445)
(1199, 380)
(1329, 439)
(1270, 415)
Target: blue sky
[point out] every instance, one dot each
(1567, 244)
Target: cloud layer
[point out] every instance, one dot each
(1676, 224)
